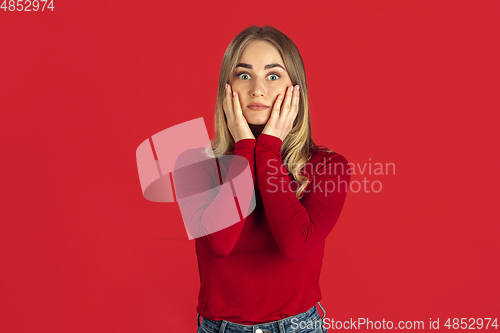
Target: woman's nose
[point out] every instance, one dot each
(257, 93)
(257, 89)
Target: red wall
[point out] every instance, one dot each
(403, 82)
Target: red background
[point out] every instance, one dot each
(414, 83)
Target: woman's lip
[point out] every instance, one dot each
(257, 108)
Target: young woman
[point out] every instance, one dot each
(262, 273)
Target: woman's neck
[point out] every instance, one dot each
(256, 129)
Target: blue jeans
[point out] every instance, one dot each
(305, 322)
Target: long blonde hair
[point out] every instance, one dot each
(296, 147)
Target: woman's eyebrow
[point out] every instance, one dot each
(242, 64)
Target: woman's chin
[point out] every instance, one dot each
(257, 119)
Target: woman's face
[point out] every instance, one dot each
(260, 76)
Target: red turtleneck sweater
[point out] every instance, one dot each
(267, 266)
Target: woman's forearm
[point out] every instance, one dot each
(299, 225)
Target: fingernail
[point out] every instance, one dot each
(290, 89)
(297, 87)
(234, 93)
(226, 86)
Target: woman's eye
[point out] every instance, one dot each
(274, 77)
(244, 76)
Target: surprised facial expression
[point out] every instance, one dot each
(260, 76)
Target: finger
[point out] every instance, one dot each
(236, 105)
(295, 102)
(228, 103)
(275, 114)
(295, 109)
(285, 109)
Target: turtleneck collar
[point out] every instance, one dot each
(256, 129)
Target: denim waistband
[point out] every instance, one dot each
(288, 324)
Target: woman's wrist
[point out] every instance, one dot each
(245, 145)
(241, 139)
(270, 141)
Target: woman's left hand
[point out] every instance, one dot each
(283, 114)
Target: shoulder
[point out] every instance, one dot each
(321, 154)
(323, 158)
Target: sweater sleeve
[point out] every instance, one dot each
(300, 225)
(203, 208)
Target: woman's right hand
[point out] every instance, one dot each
(236, 122)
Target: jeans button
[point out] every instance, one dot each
(258, 330)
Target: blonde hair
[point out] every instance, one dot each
(296, 147)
